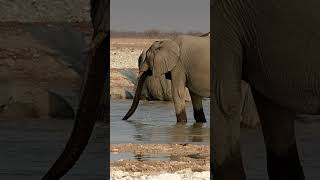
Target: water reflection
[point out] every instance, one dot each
(177, 133)
(197, 132)
(155, 122)
(141, 157)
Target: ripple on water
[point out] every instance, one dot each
(155, 122)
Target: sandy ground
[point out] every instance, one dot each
(186, 174)
(186, 161)
(124, 52)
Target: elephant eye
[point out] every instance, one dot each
(158, 48)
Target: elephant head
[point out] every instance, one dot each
(154, 88)
(159, 59)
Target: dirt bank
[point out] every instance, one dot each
(34, 58)
(180, 157)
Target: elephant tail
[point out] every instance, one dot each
(137, 96)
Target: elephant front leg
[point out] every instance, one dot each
(283, 161)
(226, 105)
(227, 160)
(197, 107)
(179, 96)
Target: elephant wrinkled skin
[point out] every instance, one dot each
(185, 61)
(274, 46)
(156, 88)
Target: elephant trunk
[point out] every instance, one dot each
(76, 144)
(90, 110)
(137, 95)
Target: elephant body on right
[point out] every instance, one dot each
(274, 47)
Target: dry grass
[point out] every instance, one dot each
(152, 34)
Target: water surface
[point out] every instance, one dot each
(155, 122)
(30, 146)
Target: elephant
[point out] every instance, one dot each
(158, 88)
(273, 46)
(94, 101)
(155, 88)
(185, 60)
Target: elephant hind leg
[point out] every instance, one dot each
(279, 136)
(197, 107)
(249, 114)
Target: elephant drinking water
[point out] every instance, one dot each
(185, 61)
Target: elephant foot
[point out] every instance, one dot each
(286, 166)
(231, 169)
(182, 116)
(199, 116)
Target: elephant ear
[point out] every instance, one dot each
(141, 59)
(166, 56)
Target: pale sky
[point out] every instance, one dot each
(164, 15)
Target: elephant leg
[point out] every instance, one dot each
(279, 136)
(197, 107)
(226, 105)
(249, 114)
(227, 160)
(179, 96)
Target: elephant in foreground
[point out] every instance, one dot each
(274, 46)
(94, 102)
(185, 61)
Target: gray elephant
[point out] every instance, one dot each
(155, 88)
(185, 60)
(274, 46)
(158, 88)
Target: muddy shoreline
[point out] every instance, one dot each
(185, 160)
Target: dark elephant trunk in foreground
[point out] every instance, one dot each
(92, 91)
(137, 95)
